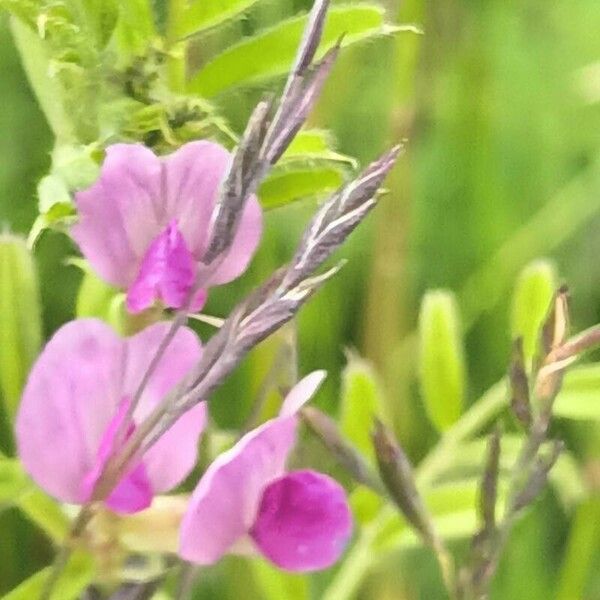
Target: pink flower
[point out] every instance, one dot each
(71, 418)
(246, 501)
(145, 224)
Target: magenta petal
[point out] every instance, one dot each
(223, 506)
(303, 521)
(168, 273)
(133, 493)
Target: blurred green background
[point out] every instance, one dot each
(499, 103)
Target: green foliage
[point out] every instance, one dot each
(276, 584)
(580, 393)
(361, 402)
(78, 574)
(270, 54)
(135, 27)
(201, 15)
(315, 145)
(533, 293)
(45, 513)
(13, 482)
(20, 318)
(441, 358)
(284, 186)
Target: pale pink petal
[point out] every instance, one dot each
(224, 505)
(303, 522)
(171, 459)
(167, 273)
(134, 491)
(72, 394)
(302, 392)
(243, 247)
(193, 175)
(73, 401)
(121, 213)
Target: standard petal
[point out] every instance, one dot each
(193, 175)
(224, 505)
(121, 213)
(303, 521)
(73, 391)
(244, 245)
(173, 456)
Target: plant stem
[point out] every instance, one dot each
(176, 49)
(61, 559)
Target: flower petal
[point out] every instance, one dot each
(72, 393)
(224, 505)
(121, 213)
(303, 521)
(193, 175)
(302, 392)
(173, 456)
(167, 273)
(244, 245)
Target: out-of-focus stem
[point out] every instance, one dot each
(361, 558)
(175, 48)
(63, 555)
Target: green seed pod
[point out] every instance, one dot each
(533, 293)
(441, 358)
(20, 318)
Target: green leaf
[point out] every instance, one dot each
(467, 462)
(101, 19)
(579, 397)
(285, 186)
(453, 509)
(534, 290)
(135, 27)
(361, 401)
(44, 512)
(98, 299)
(16, 489)
(77, 575)
(365, 504)
(201, 15)
(441, 358)
(271, 53)
(48, 91)
(13, 482)
(277, 584)
(20, 318)
(315, 145)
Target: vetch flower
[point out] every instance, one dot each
(246, 501)
(71, 418)
(145, 224)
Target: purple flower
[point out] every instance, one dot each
(246, 502)
(145, 224)
(73, 410)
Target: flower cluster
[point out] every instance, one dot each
(144, 226)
